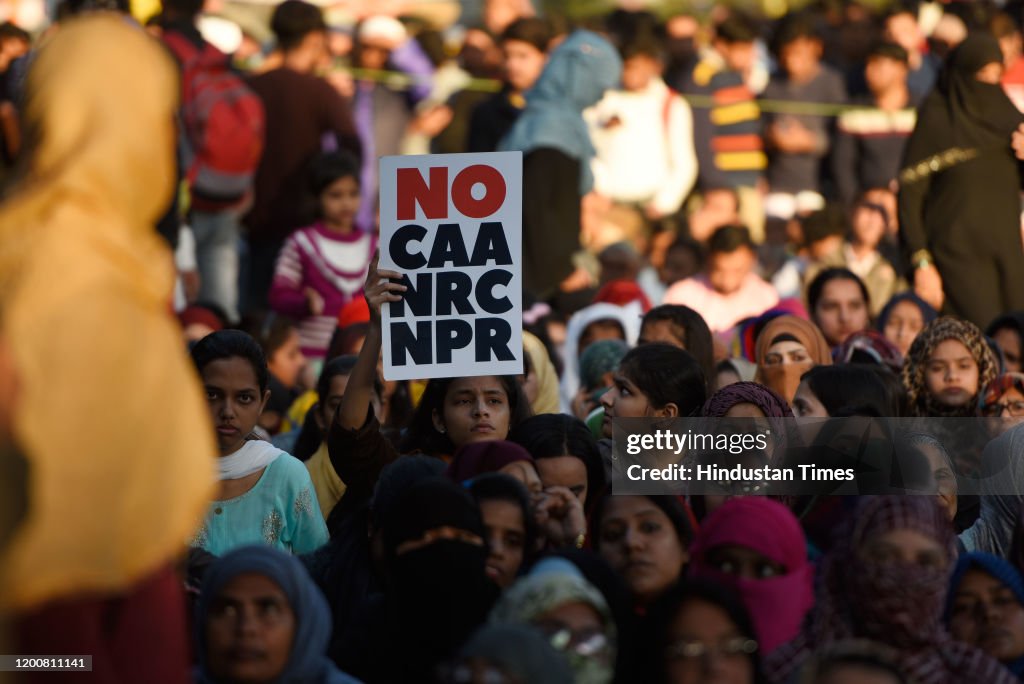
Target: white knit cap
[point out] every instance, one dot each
(382, 28)
(223, 34)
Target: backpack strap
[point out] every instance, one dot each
(184, 50)
(666, 122)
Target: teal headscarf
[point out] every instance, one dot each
(599, 358)
(578, 73)
(555, 582)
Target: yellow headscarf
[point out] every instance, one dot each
(110, 415)
(547, 377)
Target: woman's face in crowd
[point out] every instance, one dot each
(506, 536)
(329, 404)
(526, 474)
(784, 353)
(523, 64)
(703, 626)
(841, 310)
(624, 400)
(531, 386)
(475, 409)
(249, 630)
(743, 562)
(287, 360)
(951, 374)
(904, 323)
(806, 404)
(1008, 341)
(639, 541)
(233, 395)
(564, 471)
(583, 623)
(1005, 412)
(1010, 404)
(663, 331)
(944, 478)
(986, 614)
(905, 547)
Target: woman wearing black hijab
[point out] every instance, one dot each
(437, 592)
(959, 200)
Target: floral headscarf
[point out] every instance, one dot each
(921, 403)
(897, 604)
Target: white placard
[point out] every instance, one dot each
(452, 225)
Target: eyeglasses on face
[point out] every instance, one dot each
(693, 649)
(586, 643)
(1012, 408)
(738, 488)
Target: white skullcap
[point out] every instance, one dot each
(382, 28)
(223, 34)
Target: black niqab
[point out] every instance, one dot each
(980, 115)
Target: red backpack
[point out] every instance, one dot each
(224, 126)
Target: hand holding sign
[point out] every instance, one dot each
(380, 288)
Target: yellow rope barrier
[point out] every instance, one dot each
(402, 81)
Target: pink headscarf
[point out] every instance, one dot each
(777, 605)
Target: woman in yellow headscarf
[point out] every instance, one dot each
(542, 379)
(109, 414)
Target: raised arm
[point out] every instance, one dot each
(355, 445)
(356, 403)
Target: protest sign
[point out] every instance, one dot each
(452, 225)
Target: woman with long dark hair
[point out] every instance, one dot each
(453, 412)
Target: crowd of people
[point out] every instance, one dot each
(817, 217)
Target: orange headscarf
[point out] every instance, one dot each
(785, 378)
(110, 415)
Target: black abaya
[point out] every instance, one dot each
(960, 189)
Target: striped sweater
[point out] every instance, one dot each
(726, 127)
(332, 265)
(869, 146)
